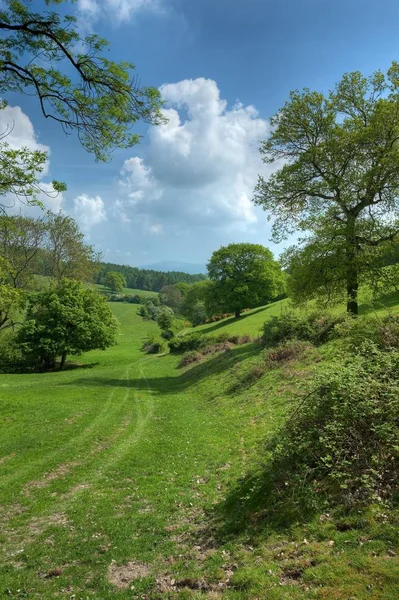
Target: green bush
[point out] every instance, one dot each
(11, 359)
(384, 332)
(315, 327)
(342, 440)
(154, 344)
(184, 343)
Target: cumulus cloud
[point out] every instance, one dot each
(16, 129)
(201, 166)
(117, 10)
(89, 210)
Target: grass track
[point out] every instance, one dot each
(132, 459)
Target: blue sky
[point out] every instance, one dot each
(224, 67)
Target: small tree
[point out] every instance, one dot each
(69, 319)
(340, 175)
(243, 276)
(164, 319)
(115, 281)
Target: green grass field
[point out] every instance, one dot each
(131, 478)
(131, 291)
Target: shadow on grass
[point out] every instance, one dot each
(385, 302)
(260, 504)
(170, 384)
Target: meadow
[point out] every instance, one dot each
(128, 477)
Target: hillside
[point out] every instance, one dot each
(132, 478)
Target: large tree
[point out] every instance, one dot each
(69, 319)
(115, 281)
(11, 299)
(339, 179)
(243, 276)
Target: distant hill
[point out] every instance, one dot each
(149, 279)
(166, 266)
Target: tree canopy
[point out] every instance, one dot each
(69, 319)
(339, 179)
(243, 276)
(115, 281)
(76, 85)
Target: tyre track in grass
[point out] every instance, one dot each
(108, 411)
(98, 468)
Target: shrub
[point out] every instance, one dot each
(190, 358)
(316, 328)
(191, 341)
(289, 350)
(383, 332)
(343, 437)
(11, 359)
(154, 344)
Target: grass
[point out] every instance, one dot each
(130, 478)
(131, 291)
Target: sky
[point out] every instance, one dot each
(224, 67)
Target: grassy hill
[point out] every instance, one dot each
(132, 478)
(131, 291)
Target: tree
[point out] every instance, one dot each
(11, 299)
(243, 276)
(340, 175)
(21, 239)
(75, 84)
(172, 297)
(69, 255)
(193, 306)
(69, 319)
(115, 281)
(164, 319)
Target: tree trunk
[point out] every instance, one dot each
(238, 314)
(352, 278)
(63, 359)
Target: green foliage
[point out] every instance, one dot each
(76, 85)
(191, 341)
(339, 181)
(11, 358)
(12, 300)
(147, 279)
(164, 319)
(69, 319)
(291, 349)
(317, 328)
(155, 344)
(115, 281)
(342, 440)
(171, 296)
(383, 332)
(243, 276)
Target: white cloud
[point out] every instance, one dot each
(201, 166)
(16, 129)
(89, 210)
(157, 228)
(116, 10)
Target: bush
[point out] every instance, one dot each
(11, 359)
(289, 350)
(342, 440)
(382, 332)
(154, 344)
(190, 358)
(316, 328)
(191, 341)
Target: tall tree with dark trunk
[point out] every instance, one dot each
(338, 176)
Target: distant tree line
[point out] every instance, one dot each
(144, 279)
